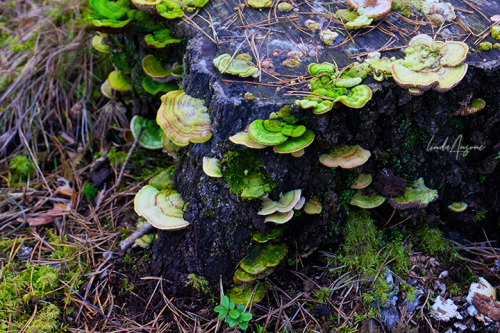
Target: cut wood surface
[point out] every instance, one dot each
(269, 34)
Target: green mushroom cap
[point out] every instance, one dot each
(415, 196)
(458, 207)
(263, 257)
(154, 68)
(261, 237)
(317, 69)
(295, 144)
(151, 137)
(243, 293)
(242, 276)
(367, 200)
(162, 180)
(260, 134)
(239, 65)
(160, 39)
(153, 87)
(357, 97)
(119, 82)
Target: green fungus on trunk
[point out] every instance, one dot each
(241, 65)
(151, 136)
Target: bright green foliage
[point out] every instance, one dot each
(20, 291)
(242, 171)
(361, 242)
(322, 294)
(233, 314)
(116, 158)
(409, 292)
(21, 168)
(432, 240)
(198, 282)
(90, 192)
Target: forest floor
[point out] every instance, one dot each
(68, 179)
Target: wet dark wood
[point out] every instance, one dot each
(233, 26)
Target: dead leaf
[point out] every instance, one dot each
(47, 216)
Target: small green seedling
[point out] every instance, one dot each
(233, 314)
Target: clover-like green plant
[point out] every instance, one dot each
(233, 314)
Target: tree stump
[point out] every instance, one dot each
(398, 129)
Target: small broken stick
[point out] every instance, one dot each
(129, 241)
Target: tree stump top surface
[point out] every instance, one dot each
(269, 34)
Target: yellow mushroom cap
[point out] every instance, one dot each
(363, 180)
(313, 206)
(280, 218)
(285, 203)
(183, 118)
(375, 9)
(145, 206)
(211, 167)
(453, 53)
(346, 157)
(244, 138)
(458, 207)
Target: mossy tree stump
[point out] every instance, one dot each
(399, 130)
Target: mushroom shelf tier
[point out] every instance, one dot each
(409, 137)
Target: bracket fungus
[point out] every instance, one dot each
(280, 131)
(346, 157)
(160, 39)
(375, 9)
(99, 44)
(285, 204)
(332, 89)
(151, 137)
(284, 6)
(264, 257)
(119, 82)
(154, 69)
(367, 199)
(280, 211)
(183, 118)
(328, 36)
(244, 138)
(260, 4)
(242, 293)
(470, 106)
(458, 207)
(211, 167)
(153, 87)
(295, 146)
(273, 234)
(313, 206)
(241, 65)
(261, 262)
(430, 65)
(147, 5)
(162, 209)
(172, 9)
(416, 196)
(111, 16)
(363, 180)
(495, 32)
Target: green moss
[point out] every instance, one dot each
(432, 240)
(243, 172)
(90, 192)
(21, 168)
(116, 158)
(198, 282)
(361, 242)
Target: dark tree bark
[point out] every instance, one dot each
(396, 127)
